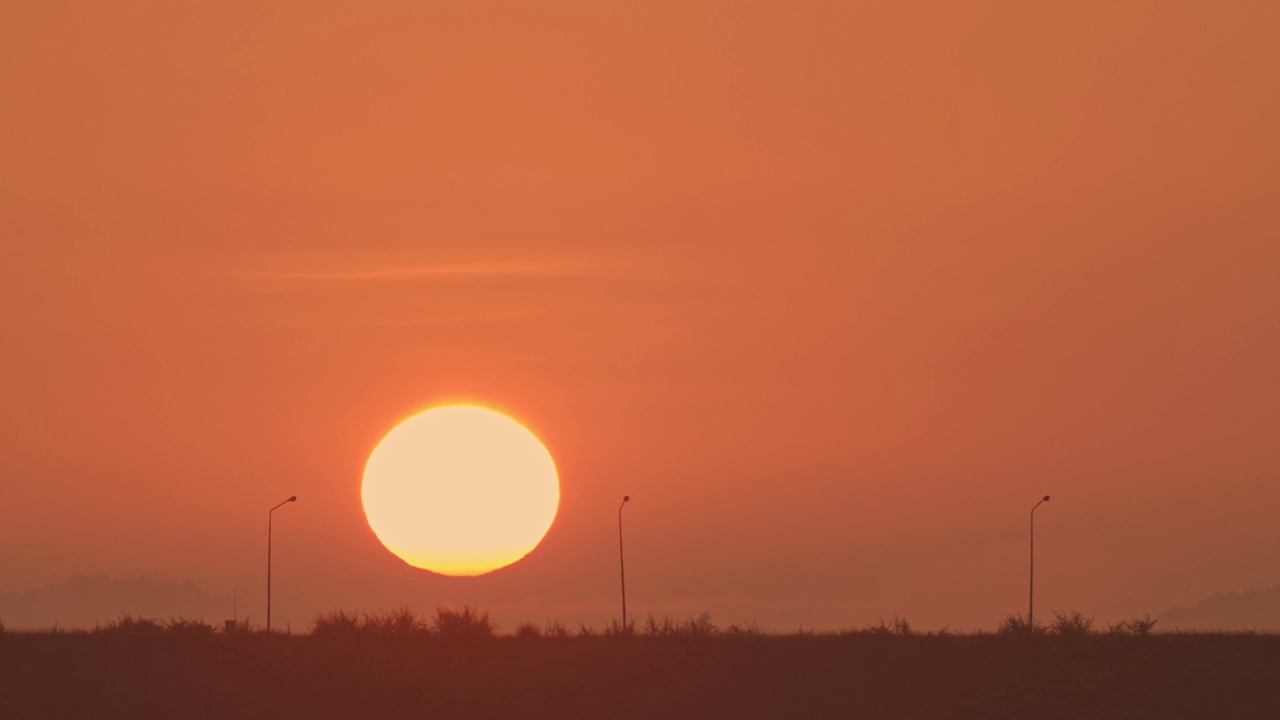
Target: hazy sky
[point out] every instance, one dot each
(835, 291)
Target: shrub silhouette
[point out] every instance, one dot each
(1142, 625)
(702, 626)
(1071, 624)
(334, 623)
(746, 628)
(466, 623)
(528, 631)
(134, 625)
(1134, 626)
(1016, 624)
(402, 622)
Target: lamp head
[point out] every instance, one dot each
(626, 498)
(1046, 499)
(294, 498)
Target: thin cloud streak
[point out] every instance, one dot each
(383, 269)
(469, 318)
(410, 273)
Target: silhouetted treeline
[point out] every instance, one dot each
(1228, 612)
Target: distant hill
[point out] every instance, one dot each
(1249, 610)
(84, 601)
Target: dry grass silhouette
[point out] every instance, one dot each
(457, 663)
(1073, 624)
(466, 623)
(469, 623)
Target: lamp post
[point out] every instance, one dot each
(292, 498)
(1031, 595)
(622, 568)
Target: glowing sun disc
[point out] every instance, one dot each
(460, 490)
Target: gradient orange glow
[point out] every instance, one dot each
(834, 290)
(460, 490)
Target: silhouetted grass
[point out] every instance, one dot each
(1135, 626)
(402, 621)
(554, 629)
(335, 622)
(455, 663)
(1073, 624)
(464, 624)
(1016, 624)
(132, 625)
(471, 623)
(898, 626)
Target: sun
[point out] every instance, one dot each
(460, 490)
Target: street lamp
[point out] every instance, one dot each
(1031, 598)
(622, 568)
(293, 498)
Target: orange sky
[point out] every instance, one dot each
(834, 290)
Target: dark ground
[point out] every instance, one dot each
(208, 675)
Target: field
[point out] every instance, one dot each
(399, 667)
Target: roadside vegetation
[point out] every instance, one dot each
(467, 623)
(458, 663)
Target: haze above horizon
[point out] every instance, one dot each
(835, 290)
